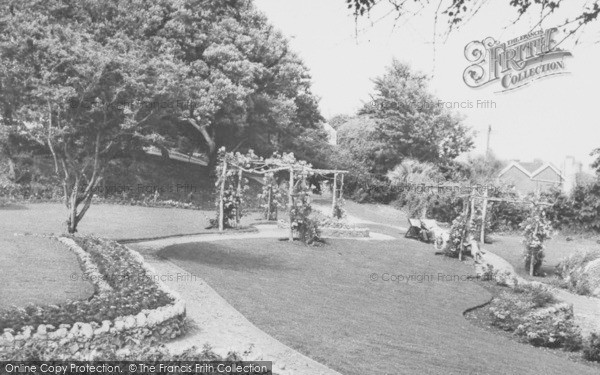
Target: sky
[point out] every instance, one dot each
(548, 119)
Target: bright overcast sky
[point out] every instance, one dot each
(548, 119)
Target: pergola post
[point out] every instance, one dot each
(342, 186)
(269, 197)
(334, 200)
(483, 214)
(291, 203)
(466, 207)
(238, 205)
(221, 194)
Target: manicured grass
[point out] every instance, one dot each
(507, 246)
(109, 221)
(510, 247)
(322, 302)
(38, 270)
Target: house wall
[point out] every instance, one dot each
(521, 181)
(547, 179)
(543, 181)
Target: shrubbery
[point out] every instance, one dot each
(532, 314)
(536, 230)
(305, 226)
(591, 348)
(134, 352)
(578, 212)
(574, 273)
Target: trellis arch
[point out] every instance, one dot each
(250, 163)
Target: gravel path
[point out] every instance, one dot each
(586, 309)
(221, 325)
(355, 220)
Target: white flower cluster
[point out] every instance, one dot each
(85, 332)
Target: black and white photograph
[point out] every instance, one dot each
(299, 187)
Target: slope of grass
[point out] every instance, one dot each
(39, 270)
(325, 303)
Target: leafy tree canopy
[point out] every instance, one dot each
(410, 123)
(94, 80)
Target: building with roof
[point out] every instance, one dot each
(527, 177)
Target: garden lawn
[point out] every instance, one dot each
(325, 303)
(39, 270)
(109, 221)
(510, 247)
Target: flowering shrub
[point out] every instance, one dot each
(452, 248)
(306, 227)
(330, 222)
(142, 352)
(270, 197)
(536, 229)
(127, 299)
(553, 327)
(580, 272)
(338, 209)
(235, 187)
(532, 314)
(591, 348)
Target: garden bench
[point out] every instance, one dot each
(414, 229)
(427, 230)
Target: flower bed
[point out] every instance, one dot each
(580, 272)
(345, 232)
(335, 230)
(533, 314)
(129, 304)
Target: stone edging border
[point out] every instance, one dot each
(86, 332)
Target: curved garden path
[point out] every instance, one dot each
(586, 309)
(221, 325)
(430, 336)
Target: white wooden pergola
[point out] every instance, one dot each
(487, 200)
(273, 165)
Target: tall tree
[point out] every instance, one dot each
(93, 80)
(410, 121)
(71, 91)
(233, 79)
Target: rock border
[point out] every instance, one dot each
(92, 335)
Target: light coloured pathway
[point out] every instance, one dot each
(586, 309)
(355, 220)
(215, 322)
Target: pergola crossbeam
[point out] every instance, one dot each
(259, 166)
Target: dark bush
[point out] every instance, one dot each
(591, 348)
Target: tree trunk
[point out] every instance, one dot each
(221, 195)
(73, 219)
(212, 146)
(483, 215)
(531, 254)
(291, 204)
(238, 207)
(12, 174)
(334, 198)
